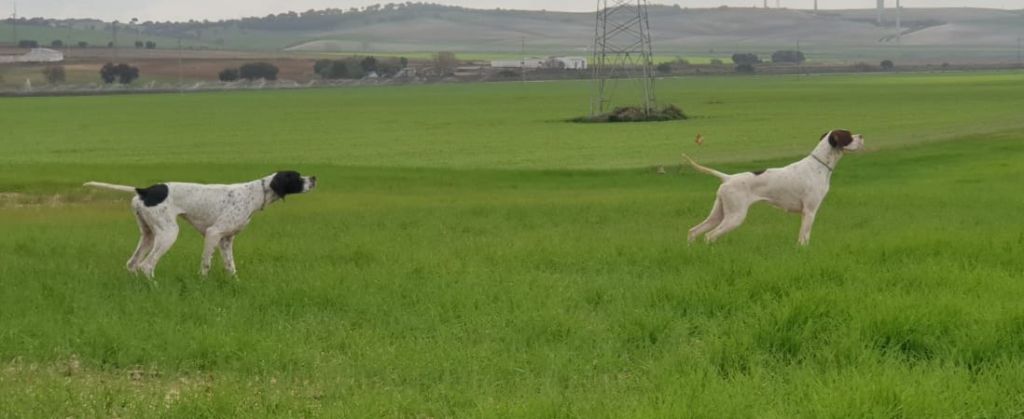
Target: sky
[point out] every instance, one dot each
(228, 9)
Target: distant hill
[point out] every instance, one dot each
(427, 28)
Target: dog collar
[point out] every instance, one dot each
(822, 163)
(263, 191)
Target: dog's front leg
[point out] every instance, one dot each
(805, 226)
(227, 253)
(209, 246)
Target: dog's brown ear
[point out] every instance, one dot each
(840, 138)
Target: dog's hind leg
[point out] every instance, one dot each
(710, 223)
(165, 233)
(735, 212)
(145, 244)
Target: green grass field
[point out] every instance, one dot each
(469, 255)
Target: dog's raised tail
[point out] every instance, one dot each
(111, 187)
(724, 177)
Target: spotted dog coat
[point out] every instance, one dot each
(799, 187)
(219, 212)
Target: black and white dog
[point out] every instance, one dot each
(799, 187)
(219, 212)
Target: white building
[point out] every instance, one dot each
(573, 63)
(36, 55)
(568, 63)
(532, 62)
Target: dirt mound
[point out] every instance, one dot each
(635, 114)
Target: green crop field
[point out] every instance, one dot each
(468, 254)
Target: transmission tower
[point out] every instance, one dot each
(14, 20)
(622, 51)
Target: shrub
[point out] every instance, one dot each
(746, 58)
(664, 68)
(139, 44)
(54, 74)
(28, 43)
(635, 114)
(508, 73)
(57, 43)
(357, 67)
(716, 62)
(745, 68)
(150, 45)
(887, 65)
(260, 70)
(228, 74)
(863, 67)
(788, 56)
(83, 44)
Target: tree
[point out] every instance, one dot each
(83, 44)
(368, 64)
(139, 44)
(336, 69)
(747, 58)
(28, 43)
(887, 65)
(122, 73)
(446, 62)
(320, 66)
(54, 74)
(664, 68)
(126, 73)
(57, 43)
(228, 74)
(788, 56)
(260, 70)
(150, 45)
(107, 73)
(716, 62)
(404, 62)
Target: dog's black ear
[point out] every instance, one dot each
(840, 138)
(286, 182)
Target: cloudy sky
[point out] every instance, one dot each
(220, 9)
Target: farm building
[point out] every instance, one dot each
(573, 63)
(568, 63)
(36, 55)
(532, 62)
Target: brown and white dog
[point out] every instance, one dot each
(799, 187)
(219, 212)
